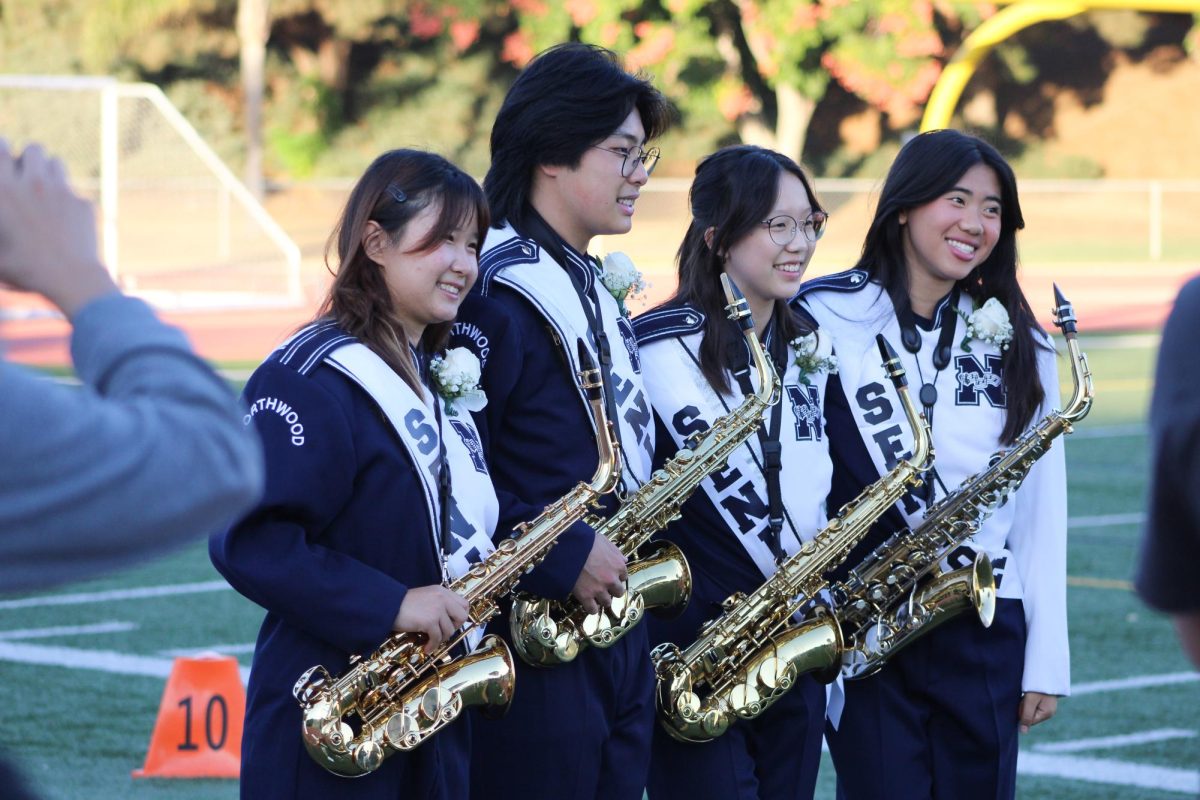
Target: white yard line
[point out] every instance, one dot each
(116, 594)
(98, 660)
(1109, 771)
(1107, 432)
(1109, 742)
(1107, 520)
(1136, 682)
(223, 649)
(67, 630)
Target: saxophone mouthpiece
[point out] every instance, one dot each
(891, 362)
(590, 379)
(736, 307)
(1064, 313)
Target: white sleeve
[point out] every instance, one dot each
(1038, 543)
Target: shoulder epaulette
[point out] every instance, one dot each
(514, 251)
(305, 351)
(663, 323)
(804, 316)
(849, 281)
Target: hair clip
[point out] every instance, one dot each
(396, 194)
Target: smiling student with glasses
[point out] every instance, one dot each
(569, 160)
(745, 201)
(631, 156)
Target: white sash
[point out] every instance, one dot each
(548, 286)
(964, 436)
(675, 383)
(473, 500)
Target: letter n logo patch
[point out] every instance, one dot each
(975, 380)
(806, 407)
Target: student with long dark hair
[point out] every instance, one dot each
(347, 545)
(938, 274)
(756, 218)
(570, 155)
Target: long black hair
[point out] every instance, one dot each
(928, 166)
(396, 187)
(570, 97)
(732, 193)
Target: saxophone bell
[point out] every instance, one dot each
(901, 591)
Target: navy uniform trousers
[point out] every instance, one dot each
(939, 721)
(602, 703)
(773, 757)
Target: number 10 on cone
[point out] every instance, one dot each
(198, 732)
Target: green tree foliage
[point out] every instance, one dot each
(764, 65)
(344, 79)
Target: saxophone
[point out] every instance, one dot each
(549, 632)
(400, 696)
(747, 658)
(898, 592)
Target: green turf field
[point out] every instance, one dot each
(77, 725)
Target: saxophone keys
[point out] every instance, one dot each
(434, 701)
(776, 675)
(368, 756)
(402, 731)
(687, 705)
(745, 700)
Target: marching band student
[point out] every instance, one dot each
(569, 158)
(348, 544)
(756, 218)
(938, 273)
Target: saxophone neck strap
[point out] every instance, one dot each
(536, 228)
(768, 432)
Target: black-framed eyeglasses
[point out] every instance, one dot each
(782, 228)
(630, 156)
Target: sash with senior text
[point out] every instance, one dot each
(473, 506)
(684, 400)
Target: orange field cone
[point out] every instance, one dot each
(198, 733)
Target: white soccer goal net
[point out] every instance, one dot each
(176, 226)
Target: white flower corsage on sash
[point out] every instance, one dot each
(814, 354)
(988, 324)
(456, 378)
(622, 279)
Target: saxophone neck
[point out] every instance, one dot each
(1081, 376)
(922, 454)
(738, 310)
(591, 381)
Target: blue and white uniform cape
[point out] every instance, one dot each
(521, 265)
(669, 340)
(1026, 537)
(473, 506)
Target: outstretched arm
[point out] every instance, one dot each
(150, 452)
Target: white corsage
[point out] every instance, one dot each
(456, 378)
(814, 353)
(988, 324)
(622, 279)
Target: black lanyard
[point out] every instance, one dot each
(444, 480)
(928, 394)
(768, 434)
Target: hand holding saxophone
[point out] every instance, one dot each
(603, 576)
(434, 611)
(657, 576)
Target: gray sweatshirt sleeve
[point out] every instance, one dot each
(150, 452)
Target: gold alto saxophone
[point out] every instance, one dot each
(899, 593)
(549, 632)
(747, 658)
(399, 696)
